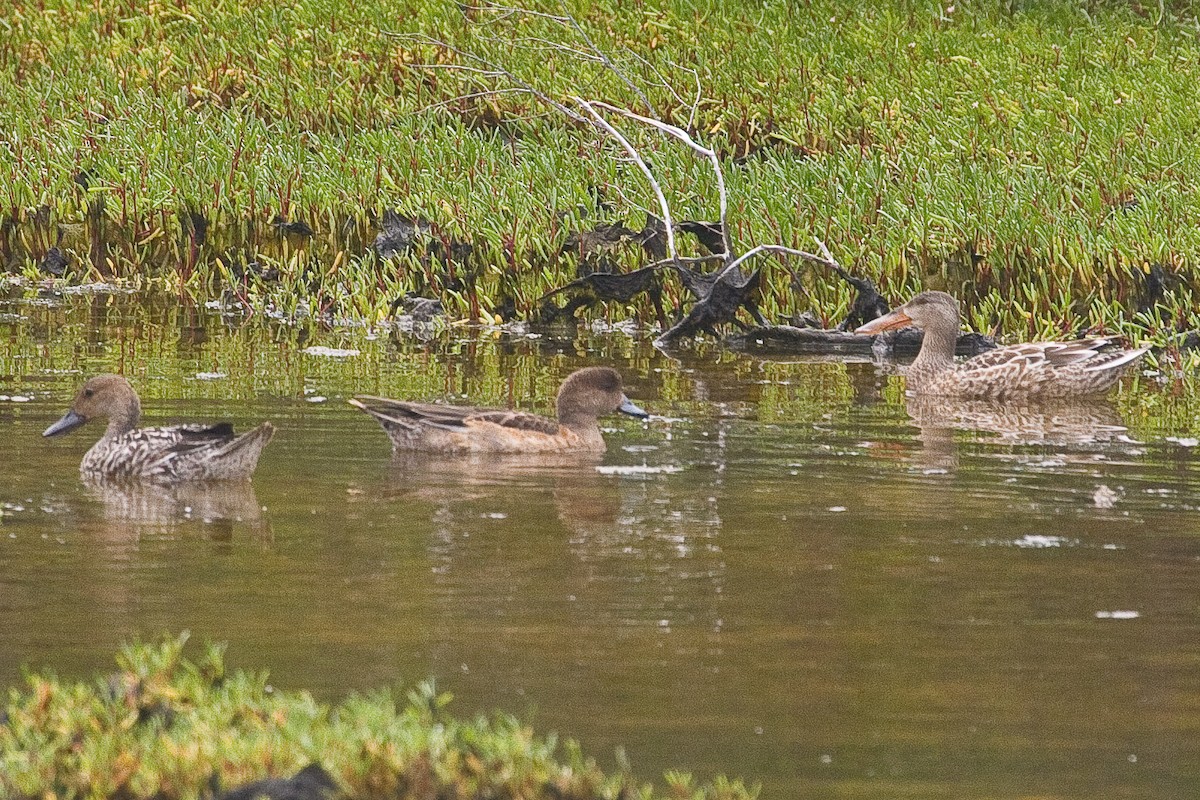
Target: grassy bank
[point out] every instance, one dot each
(1037, 160)
(167, 725)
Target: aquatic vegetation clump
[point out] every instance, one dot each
(166, 725)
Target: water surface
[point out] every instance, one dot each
(784, 576)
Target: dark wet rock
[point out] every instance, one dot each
(1191, 341)
(421, 309)
(707, 233)
(699, 284)
(549, 312)
(310, 783)
(903, 343)
(606, 286)
(397, 233)
(290, 228)
(906, 343)
(790, 339)
(867, 305)
(243, 269)
(55, 263)
(506, 309)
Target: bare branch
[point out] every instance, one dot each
(545, 45)
(711, 155)
(825, 252)
(473, 96)
(699, 92)
(665, 84)
(608, 63)
(667, 262)
(507, 11)
(589, 106)
(540, 95)
(778, 249)
(488, 73)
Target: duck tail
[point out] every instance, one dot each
(378, 408)
(1118, 360)
(250, 441)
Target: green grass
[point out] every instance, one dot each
(1034, 159)
(169, 725)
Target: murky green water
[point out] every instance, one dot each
(784, 579)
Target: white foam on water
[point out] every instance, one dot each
(329, 352)
(638, 469)
(1123, 614)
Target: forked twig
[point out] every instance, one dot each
(589, 106)
(710, 154)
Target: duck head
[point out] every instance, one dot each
(926, 310)
(591, 392)
(108, 396)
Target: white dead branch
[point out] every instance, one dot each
(589, 111)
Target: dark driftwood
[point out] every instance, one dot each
(601, 287)
(730, 290)
(904, 343)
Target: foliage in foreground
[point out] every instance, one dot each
(164, 725)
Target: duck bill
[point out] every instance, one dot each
(888, 322)
(627, 407)
(69, 422)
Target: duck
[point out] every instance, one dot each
(175, 453)
(1032, 370)
(584, 396)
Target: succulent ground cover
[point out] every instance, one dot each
(321, 157)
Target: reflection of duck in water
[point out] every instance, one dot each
(1058, 421)
(133, 508)
(1031, 370)
(167, 454)
(585, 395)
(159, 504)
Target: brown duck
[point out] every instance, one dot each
(167, 454)
(1031, 370)
(432, 427)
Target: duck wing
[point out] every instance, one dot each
(516, 420)
(1087, 354)
(1046, 369)
(203, 451)
(193, 438)
(409, 415)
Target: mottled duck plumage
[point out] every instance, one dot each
(1032, 370)
(188, 452)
